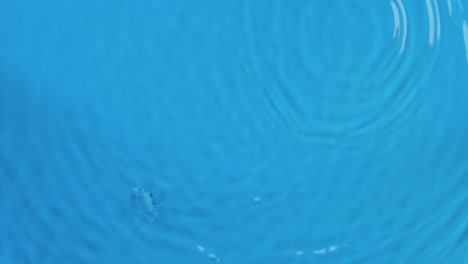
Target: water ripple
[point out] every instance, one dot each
(401, 27)
(465, 37)
(339, 74)
(434, 20)
(358, 145)
(345, 70)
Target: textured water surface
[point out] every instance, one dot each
(234, 131)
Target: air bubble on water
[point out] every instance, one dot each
(146, 203)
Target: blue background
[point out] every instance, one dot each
(276, 131)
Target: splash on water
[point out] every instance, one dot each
(146, 203)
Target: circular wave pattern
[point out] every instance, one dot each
(373, 79)
(337, 67)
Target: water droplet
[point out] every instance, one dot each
(146, 203)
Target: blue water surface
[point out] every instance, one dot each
(242, 132)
